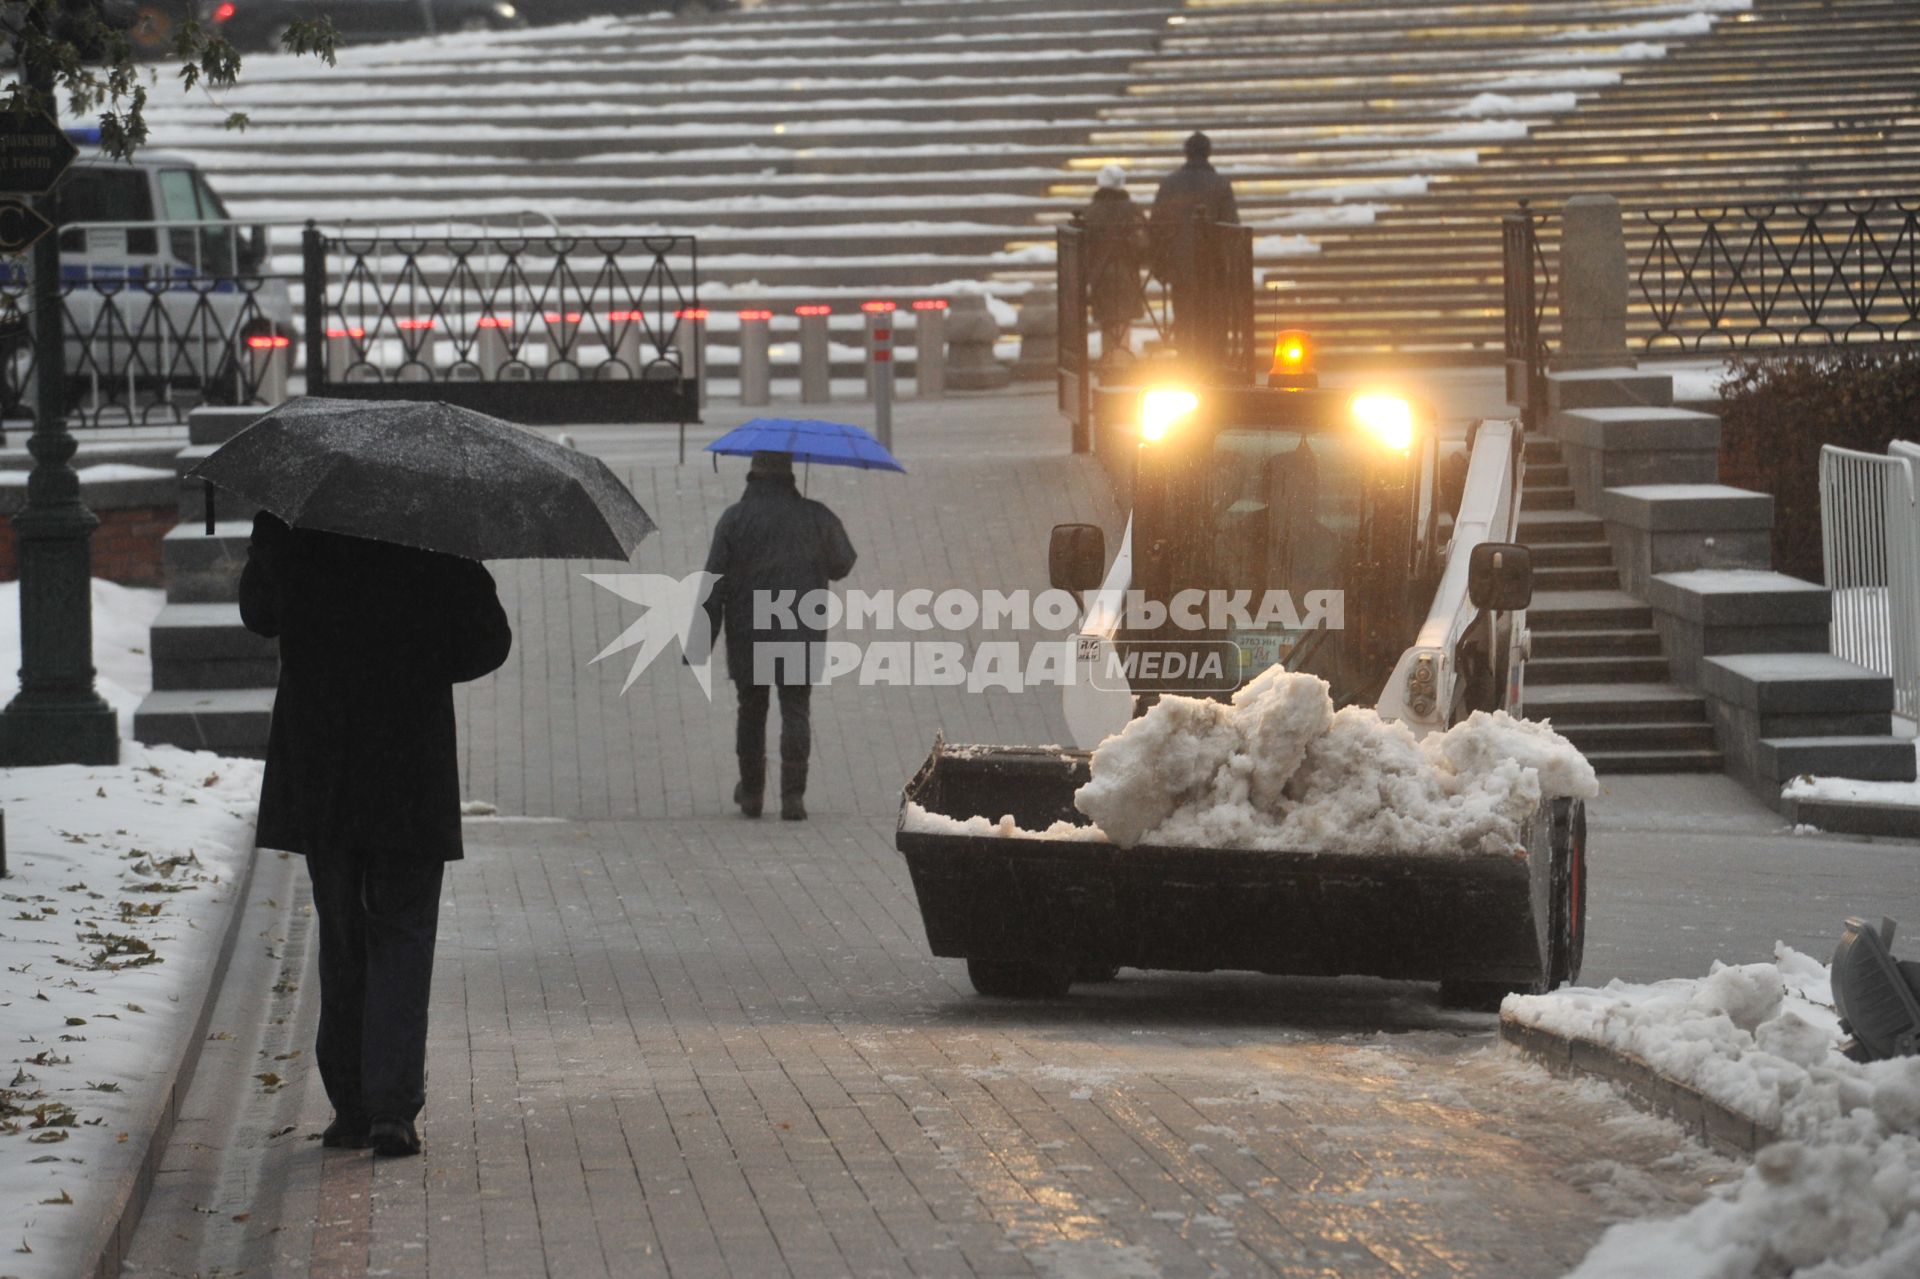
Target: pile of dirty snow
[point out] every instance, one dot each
(1840, 1197)
(1279, 768)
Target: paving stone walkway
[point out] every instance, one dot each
(669, 1041)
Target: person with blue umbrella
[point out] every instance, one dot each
(774, 544)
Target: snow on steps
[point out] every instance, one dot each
(953, 98)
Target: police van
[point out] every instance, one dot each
(163, 290)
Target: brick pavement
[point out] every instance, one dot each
(719, 1048)
(667, 1041)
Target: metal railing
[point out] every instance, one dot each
(555, 328)
(533, 325)
(1730, 279)
(1870, 549)
(1768, 276)
(1528, 287)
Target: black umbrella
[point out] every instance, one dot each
(431, 476)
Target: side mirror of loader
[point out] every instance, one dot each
(1076, 557)
(1500, 577)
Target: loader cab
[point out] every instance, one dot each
(1315, 507)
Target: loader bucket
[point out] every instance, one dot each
(1476, 919)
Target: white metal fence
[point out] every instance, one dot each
(1870, 545)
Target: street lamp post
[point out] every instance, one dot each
(58, 717)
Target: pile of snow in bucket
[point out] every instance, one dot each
(1839, 1197)
(1279, 768)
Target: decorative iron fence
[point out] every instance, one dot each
(1730, 279)
(534, 327)
(1767, 276)
(550, 328)
(159, 317)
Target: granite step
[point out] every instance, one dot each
(1606, 608)
(1596, 670)
(1596, 643)
(1572, 555)
(205, 646)
(1591, 578)
(229, 721)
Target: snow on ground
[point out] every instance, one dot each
(122, 621)
(116, 893)
(1839, 1198)
(1278, 768)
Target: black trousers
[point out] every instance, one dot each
(377, 922)
(796, 734)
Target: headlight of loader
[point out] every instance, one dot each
(1388, 418)
(1161, 411)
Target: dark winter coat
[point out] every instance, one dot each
(373, 637)
(771, 540)
(1196, 187)
(1117, 240)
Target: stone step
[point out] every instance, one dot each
(1546, 497)
(1597, 643)
(1795, 683)
(231, 721)
(1591, 705)
(1607, 389)
(1575, 579)
(1604, 609)
(1572, 555)
(1613, 763)
(202, 569)
(1547, 474)
(1877, 759)
(1537, 527)
(204, 646)
(1633, 738)
(1595, 670)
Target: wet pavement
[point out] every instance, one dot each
(670, 1041)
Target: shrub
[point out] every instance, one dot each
(1776, 413)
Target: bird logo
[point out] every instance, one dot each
(672, 612)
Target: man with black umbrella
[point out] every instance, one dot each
(362, 779)
(773, 544)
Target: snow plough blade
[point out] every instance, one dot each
(1050, 908)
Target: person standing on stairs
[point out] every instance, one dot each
(1117, 237)
(1191, 201)
(773, 543)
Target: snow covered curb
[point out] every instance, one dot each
(122, 912)
(1707, 1119)
(1750, 1057)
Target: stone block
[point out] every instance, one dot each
(216, 424)
(1607, 388)
(202, 569)
(1797, 683)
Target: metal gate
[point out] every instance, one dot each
(1870, 545)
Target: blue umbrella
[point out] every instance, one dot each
(828, 443)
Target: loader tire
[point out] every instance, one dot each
(1018, 979)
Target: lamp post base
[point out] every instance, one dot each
(36, 731)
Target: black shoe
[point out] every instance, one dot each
(346, 1132)
(749, 803)
(793, 808)
(393, 1137)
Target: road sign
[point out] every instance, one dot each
(33, 153)
(20, 226)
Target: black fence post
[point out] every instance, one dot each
(313, 288)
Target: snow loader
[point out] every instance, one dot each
(1420, 613)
